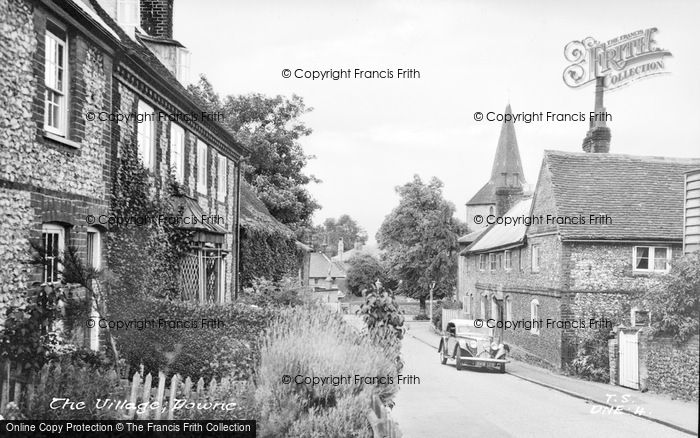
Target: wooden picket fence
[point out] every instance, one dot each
(20, 389)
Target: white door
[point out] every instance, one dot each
(629, 360)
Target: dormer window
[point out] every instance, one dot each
(182, 69)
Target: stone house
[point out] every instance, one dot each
(599, 228)
(82, 80)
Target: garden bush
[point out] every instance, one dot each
(592, 361)
(230, 350)
(310, 341)
(264, 293)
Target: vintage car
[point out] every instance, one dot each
(472, 346)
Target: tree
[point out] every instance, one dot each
(363, 273)
(674, 301)
(327, 236)
(272, 128)
(419, 238)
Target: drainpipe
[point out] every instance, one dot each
(237, 277)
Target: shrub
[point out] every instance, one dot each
(381, 310)
(592, 361)
(437, 320)
(264, 293)
(674, 302)
(229, 349)
(310, 341)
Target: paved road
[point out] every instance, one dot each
(451, 403)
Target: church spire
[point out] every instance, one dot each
(507, 170)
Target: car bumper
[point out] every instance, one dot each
(474, 360)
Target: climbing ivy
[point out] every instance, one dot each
(144, 254)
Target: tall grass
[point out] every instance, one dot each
(310, 341)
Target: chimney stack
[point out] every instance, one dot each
(157, 18)
(341, 248)
(597, 138)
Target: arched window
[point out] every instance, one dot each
(509, 308)
(535, 316)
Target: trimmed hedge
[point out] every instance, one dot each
(228, 347)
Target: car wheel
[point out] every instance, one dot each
(502, 368)
(458, 358)
(443, 357)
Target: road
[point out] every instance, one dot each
(451, 403)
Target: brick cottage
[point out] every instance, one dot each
(616, 225)
(67, 69)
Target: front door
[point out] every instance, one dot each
(629, 359)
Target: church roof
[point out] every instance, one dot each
(501, 236)
(507, 161)
(643, 196)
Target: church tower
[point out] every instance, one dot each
(507, 183)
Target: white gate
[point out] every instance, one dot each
(629, 359)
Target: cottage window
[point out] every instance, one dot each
(651, 258)
(482, 262)
(94, 261)
(467, 304)
(492, 261)
(535, 316)
(201, 167)
(507, 259)
(177, 152)
(56, 80)
(509, 308)
(145, 134)
(535, 258)
(53, 240)
(222, 179)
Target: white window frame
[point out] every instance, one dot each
(467, 304)
(221, 177)
(508, 304)
(482, 262)
(146, 134)
(651, 258)
(53, 229)
(492, 261)
(53, 68)
(177, 151)
(535, 316)
(96, 262)
(507, 260)
(483, 302)
(201, 167)
(535, 258)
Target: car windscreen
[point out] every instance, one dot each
(466, 329)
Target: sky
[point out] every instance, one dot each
(371, 135)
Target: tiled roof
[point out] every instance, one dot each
(469, 238)
(501, 235)
(485, 195)
(255, 216)
(643, 196)
(321, 266)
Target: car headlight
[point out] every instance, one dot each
(494, 346)
(472, 344)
